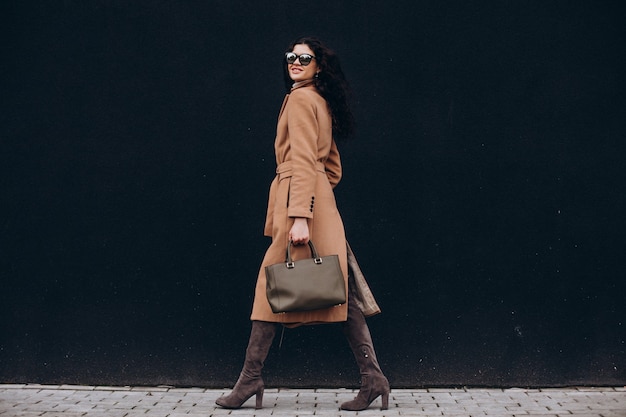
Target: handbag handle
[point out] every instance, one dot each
(291, 264)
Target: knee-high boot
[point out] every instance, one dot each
(250, 381)
(373, 382)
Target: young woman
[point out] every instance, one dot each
(301, 207)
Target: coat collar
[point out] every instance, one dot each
(295, 86)
(301, 84)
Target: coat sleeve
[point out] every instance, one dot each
(303, 134)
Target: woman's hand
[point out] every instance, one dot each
(299, 232)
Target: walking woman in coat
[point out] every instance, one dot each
(301, 207)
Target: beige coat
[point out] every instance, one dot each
(308, 168)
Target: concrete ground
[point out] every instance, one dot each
(30, 400)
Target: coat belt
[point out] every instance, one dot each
(284, 170)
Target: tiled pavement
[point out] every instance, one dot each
(88, 401)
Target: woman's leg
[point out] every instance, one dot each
(373, 382)
(250, 381)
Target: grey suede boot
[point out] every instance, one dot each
(373, 382)
(250, 381)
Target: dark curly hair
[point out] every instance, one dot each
(331, 83)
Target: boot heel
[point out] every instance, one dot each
(259, 398)
(385, 401)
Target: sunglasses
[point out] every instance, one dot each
(305, 59)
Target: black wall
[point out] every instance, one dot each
(483, 195)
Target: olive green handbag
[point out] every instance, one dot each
(308, 284)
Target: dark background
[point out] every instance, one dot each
(483, 194)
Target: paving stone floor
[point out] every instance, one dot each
(88, 401)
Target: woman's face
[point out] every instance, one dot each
(299, 72)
